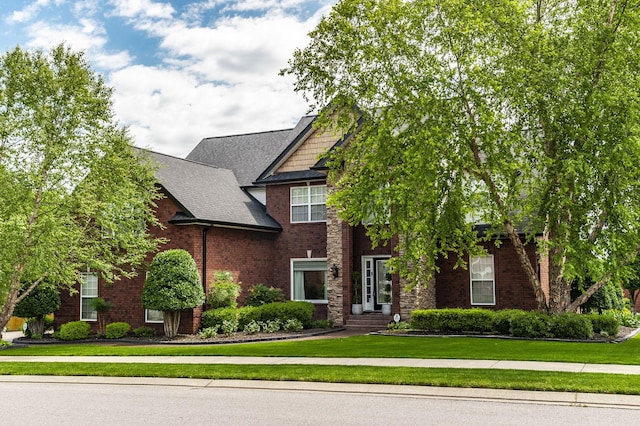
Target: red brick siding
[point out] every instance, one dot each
(512, 287)
(295, 239)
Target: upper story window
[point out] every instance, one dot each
(309, 203)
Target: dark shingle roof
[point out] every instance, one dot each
(247, 155)
(210, 195)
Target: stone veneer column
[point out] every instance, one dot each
(339, 250)
(420, 297)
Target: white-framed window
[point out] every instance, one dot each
(151, 315)
(309, 280)
(88, 292)
(309, 203)
(483, 283)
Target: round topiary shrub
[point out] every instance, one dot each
(117, 330)
(74, 330)
(173, 284)
(530, 324)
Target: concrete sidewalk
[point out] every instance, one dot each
(374, 362)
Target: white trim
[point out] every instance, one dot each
(146, 317)
(306, 259)
(493, 281)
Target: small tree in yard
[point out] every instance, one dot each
(101, 306)
(74, 193)
(173, 284)
(42, 300)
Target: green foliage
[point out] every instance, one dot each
(455, 111)
(530, 324)
(453, 320)
(502, 320)
(326, 324)
(284, 311)
(609, 296)
(229, 327)
(173, 282)
(68, 173)
(260, 294)
(100, 305)
(292, 324)
(144, 332)
(42, 300)
(224, 291)
(116, 330)
(215, 317)
(571, 326)
(604, 324)
(252, 328)
(402, 325)
(209, 332)
(271, 326)
(74, 330)
(280, 311)
(625, 318)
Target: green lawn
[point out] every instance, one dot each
(361, 346)
(376, 347)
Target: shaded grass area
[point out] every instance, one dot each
(372, 346)
(468, 378)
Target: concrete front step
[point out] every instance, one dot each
(368, 321)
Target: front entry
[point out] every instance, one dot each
(376, 283)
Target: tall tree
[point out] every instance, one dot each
(522, 115)
(74, 195)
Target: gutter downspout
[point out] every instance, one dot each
(204, 265)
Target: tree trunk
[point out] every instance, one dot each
(7, 310)
(171, 323)
(36, 326)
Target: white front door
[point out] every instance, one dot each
(375, 282)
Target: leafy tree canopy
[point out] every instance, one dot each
(522, 115)
(74, 194)
(173, 282)
(42, 300)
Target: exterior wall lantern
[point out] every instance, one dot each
(335, 271)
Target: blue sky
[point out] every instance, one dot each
(181, 70)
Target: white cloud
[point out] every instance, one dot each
(30, 11)
(142, 8)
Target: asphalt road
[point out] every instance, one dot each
(29, 403)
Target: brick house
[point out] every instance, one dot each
(254, 204)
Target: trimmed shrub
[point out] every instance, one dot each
(144, 332)
(224, 291)
(215, 317)
(570, 326)
(604, 324)
(530, 324)
(74, 330)
(284, 311)
(116, 330)
(453, 320)
(502, 320)
(260, 295)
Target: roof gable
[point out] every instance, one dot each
(210, 195)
